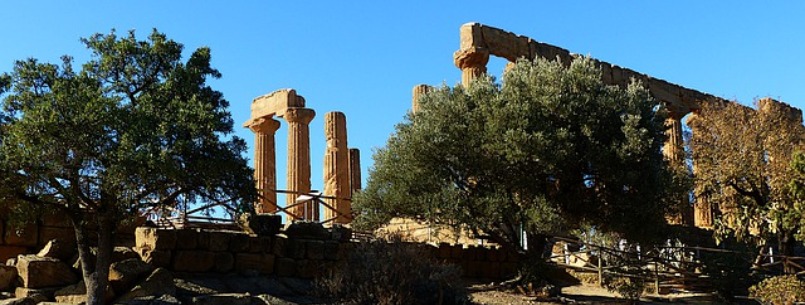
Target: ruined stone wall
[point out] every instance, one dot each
(295, 252)
(32, 237)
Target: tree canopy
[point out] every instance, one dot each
(135, 127)
(550, 149)
(742, 159)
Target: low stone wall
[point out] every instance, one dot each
(195, 250)
(33, 236)
(295, 252)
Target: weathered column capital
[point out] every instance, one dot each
(474, 57)
(265, 125)
(299, 115)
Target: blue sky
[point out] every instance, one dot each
(363, 57)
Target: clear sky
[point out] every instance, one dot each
(364, 57)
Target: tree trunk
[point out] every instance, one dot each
(95, 268)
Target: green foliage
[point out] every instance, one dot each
(549, 149)
(779, 290)
(794, 220)
(731, 273)
(391, 274)
(743, 168)
(630, 288)
(134, 128)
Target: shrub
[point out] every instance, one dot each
(779, 290)
(390, 274)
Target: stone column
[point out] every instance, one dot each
(472, 62)
(355, 169)
(674, 152)
(265, 170)
(336, 168)
(418, 92)
(299, 161)
(703, 212)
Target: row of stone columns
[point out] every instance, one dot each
(341, 165)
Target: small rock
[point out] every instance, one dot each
(58, 249)
(125, 274)
(260, 224)
(77, 294)
(158, 283)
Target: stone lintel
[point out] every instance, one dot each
(274, 104)
(476, 36)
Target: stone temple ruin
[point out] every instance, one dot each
(479, 41)
(303, 249)
(341, 165)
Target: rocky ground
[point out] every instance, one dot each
(586, 294)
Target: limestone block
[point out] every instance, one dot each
(193, 261)
(331, 250)
(56, 248)
(296, 248)
(77, 294)
(157, 258)
(307, 230)
(8, 277)
(490, 270)
(260, 224)
(285, 267)
(125, 274)
(219, 241)
(155, 239)
(47, 293)
(274, 103)
(11, 252)
(471, 35)
(25, 236)
(239, 243)
(341, 233)
(224, 262)
(280, 245)
(41, 272)
(315, 249)
(261, 262)
(158, 283)
(203, 240)
(186, 239)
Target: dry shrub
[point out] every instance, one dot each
(779, 290)
(390, 274)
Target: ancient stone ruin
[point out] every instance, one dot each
(341, 165)
(479, 41)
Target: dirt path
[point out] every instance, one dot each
(586, 294)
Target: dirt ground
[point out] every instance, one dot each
(586, 294)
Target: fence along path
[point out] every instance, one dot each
(183, 216)
(669, 268)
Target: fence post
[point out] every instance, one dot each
(600, 269)
(657, 276)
